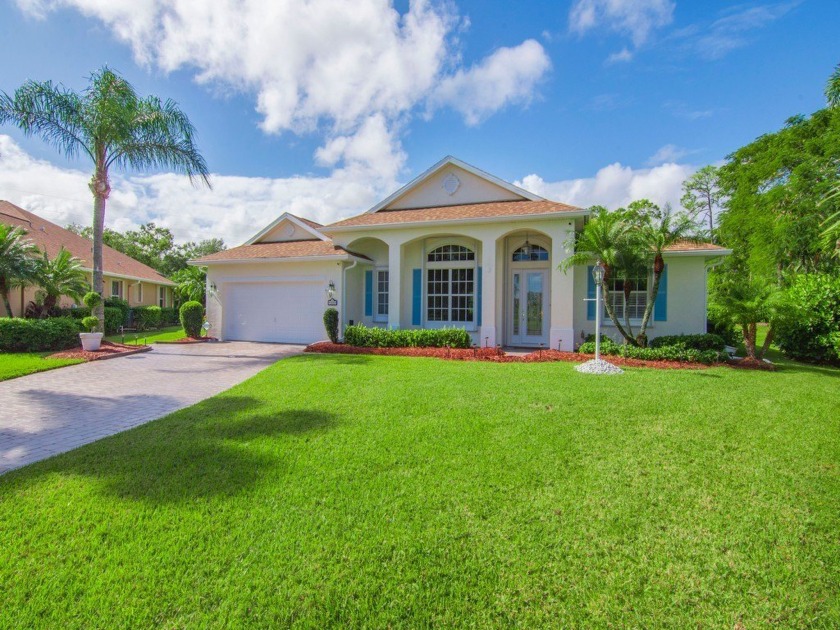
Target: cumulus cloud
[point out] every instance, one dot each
(615, 185)
(636, 19)
(505, 77)
(668, 153)
(234, 210)
(336, 68)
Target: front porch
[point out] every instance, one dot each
(500, 282)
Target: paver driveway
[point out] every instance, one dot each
(51, 412)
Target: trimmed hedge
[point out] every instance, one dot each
(362, 336)
(192, 318)
(169, 316)
(662, 353)
(700, 342)
(146, 317)
(38, 335)
(331, 324)
(113, 317)
(810, 331)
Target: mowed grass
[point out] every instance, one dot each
(395, 492)
(168, 333)
(14, 364)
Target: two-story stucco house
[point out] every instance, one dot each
(456, 247)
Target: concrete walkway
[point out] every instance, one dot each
(55, 411)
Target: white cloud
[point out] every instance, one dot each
(622, 56)
(667, 153)
(615, 185)
(505, 77)
(636, 19)
(323, 66)
(731, 31)
(235, 209)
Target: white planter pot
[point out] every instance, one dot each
(91, 341)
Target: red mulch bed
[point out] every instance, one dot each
(496, 355)
(189, 340)
(108, 350)
(751, 364)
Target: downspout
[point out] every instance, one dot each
(343, 317)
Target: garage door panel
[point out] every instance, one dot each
(274, 311)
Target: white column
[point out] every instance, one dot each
(394, 281)
(487, 332)
(562, 330)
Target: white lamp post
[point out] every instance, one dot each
(598, 276)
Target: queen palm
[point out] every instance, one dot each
(63, 275)
(16, 261)
(112, 126)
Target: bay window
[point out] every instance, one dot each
(450, 286)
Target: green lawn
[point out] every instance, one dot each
(170, 333)
(14, 364)
(363, 491)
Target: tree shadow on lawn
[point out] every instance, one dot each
(215, 448)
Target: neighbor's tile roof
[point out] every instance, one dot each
(283, 249)
(453, 213)
(50, 238)
(687, 246)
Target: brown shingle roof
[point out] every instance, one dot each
(688, 246)
(455, 213)
(50, 238)
(285, 249)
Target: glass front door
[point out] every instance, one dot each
(528, 307)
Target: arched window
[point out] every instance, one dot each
(451, 253)
(533, 253)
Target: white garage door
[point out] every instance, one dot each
(288, 312)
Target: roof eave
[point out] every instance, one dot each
(698, 252)
(582, 212)
(205, 263)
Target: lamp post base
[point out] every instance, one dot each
(598, 366)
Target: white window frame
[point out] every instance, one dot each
(377, 294)
(119, 285)
(162, 297)
(611, 293)
(454, 265)
(139, 292)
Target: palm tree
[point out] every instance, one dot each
(832, 88)
(747, 301)
(191, 284)
(114, 127)
(660, 230)
(63, 275)
(16, 261)
(610, 238)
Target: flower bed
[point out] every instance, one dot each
(494, 355)
(108, 350)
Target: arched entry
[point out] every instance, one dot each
(528, 301)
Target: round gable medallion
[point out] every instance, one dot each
(451, 183)
(290, 230)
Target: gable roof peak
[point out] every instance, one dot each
(305, 224)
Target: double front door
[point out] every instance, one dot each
(528, 307)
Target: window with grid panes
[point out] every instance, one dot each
(632, 306)
(450, 285)
(382, 294)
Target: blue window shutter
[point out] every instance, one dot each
(478, 298)
(368, 293)
(660, 307)
(416, 295)
(590, 293)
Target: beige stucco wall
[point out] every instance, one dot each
(471, 189)
(286, 231)
(686, 300)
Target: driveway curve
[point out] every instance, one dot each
(51, 412)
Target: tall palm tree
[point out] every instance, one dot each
(609, 237)
(832, 88)
(831, 234)
(114, 127)
(63, 275)
(16, 261)
(660, 230)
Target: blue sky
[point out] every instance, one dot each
(591, 101)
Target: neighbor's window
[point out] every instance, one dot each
(450, 285)
(632, 306)
(116, 288)
(162, 297)
(381, 313)
(139, 291)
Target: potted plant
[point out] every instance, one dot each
(91, 340)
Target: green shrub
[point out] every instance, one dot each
(122, 305)
(662, 353)
(146, 317)
(90, 323)
(92, 299)
(331, 324)
(168, 316)
(192, 318)
(113, 320)
(361, 335)
(78, 312)
(701, 342)
(810, 328)
(38, 335)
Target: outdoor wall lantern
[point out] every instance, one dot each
(213, 287)
(526, 248)
(331, 289)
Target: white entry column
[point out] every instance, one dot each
(487, 330)
(394, 278)
(562, 331)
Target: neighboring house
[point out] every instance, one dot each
(455, 247)
(124, 277)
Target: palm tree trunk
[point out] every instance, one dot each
(618, 326)
(6, 303)
(748, 330)
(101, 188)
(654, 291)
(767, 341)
